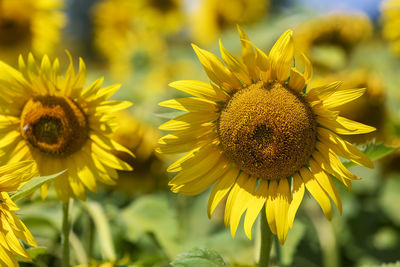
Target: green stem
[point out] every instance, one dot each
(65, 234)
(266, 241)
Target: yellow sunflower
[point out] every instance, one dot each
(12, 176)
(141, 139)
(30, 25)
(328, 40)
(123, 38)
(261, 137)
(211, 17)
(164, 16)
(360, 109)
(55, 121)
(391, 23)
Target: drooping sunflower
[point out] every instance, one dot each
(123, 38)
(328, 40)
(261, 136)
(360, 109)
(211, 17)
(62, 125)
(391, 20)
(30, 25)
(141, 139)
(12, 229)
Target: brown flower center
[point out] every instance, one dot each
(55, 125)
(268, 130)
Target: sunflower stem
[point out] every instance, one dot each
(266, 241)
(65, 234)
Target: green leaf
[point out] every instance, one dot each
(374, 152)
(199, 257)
(32, 185)
(34, 253)
(103, 229)
(152, 214)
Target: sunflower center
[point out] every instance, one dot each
(14, 31)
(55, 125)
(268, 130)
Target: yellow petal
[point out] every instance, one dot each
(281, 55)
(335, 162)
(221, 189)
(344, 126)
(298, 193)
(342, 97)
(326, 183)
(109, 159)
(216, 70)
(297, 81)
(281, 206)
(235, 66)
(270, 208)
(322, 92)
(197, 170)
(254, 207)
(188, 120)
(317, 192)
(248, 55)
(168, 146)
(191, 104)
(200, 89)
(199, 185)
(344, 148)
(244, 195)
(192, 157)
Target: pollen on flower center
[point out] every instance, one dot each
(54, 124)
(268, 130)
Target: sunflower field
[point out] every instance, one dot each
(196, 133)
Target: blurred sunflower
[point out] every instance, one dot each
(141, 139)
(360, 109)
(12, 176)
(55, 121)
(122, 37)
(254, 131)
(328, 40)
(29, 25)
(211, 17)
(164, 16)
(391, 23)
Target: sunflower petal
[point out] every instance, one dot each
(191, 104)
(235, 66)
(221, 189)
(216, 70)
(298, 193)
(342, 97)
(200, 89)
(254, 207)
(317, 192)
(281, 55)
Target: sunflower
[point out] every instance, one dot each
(211, 17)
(359, 110)
(11, 227)
(260, 136)
(55, 121)
(391, 20)
(328, 40)
(164, 16)
(30, 25)
(141, 139)
(123, 38)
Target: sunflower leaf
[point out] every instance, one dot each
(374, 152)
(199, 256)
(32, 185)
